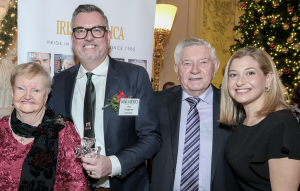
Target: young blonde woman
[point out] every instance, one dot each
(264, 151)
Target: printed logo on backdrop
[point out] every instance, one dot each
(64, 28)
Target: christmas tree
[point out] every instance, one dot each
(272, 26)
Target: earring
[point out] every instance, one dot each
(267, 88)
(12, 103)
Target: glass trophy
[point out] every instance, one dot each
(86, 150)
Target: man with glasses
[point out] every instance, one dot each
(193, 153)
(81, 92)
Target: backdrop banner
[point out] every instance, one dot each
(44, 31)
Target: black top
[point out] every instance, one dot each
(250, 148)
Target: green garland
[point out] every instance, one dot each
(8, 29)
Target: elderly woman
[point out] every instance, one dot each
(264, 150)
(37, 147)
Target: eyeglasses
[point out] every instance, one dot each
(97, 32)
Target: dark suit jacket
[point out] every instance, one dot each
(164, 162)
(131, 139)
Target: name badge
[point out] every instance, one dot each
(129, 107)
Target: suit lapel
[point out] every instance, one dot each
(114, 76)
(70, 85)
(218, 132)
(174, 107)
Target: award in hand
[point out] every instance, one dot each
(86, 150)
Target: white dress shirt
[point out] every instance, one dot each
(205, 109)
(99, 81)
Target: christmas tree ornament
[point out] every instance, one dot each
(272, 46)
(256, 32)
(286, 71)
(280, 73)
(259, 36)
(262, 18)
(290, 10)
(275, 5)
(256, 1)
(290, 39)
(297, 46)
(241, 25)
(285, 26)
(284, 50)
(273, 21)
(244, 5)
(253, 37)
(298, 73)
(295, 19)
(242, 40)
(277, 24)
(252, 17)
(245, 26)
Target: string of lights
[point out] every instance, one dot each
(8, 29)
(272, 26)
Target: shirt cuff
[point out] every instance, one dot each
(115, 166)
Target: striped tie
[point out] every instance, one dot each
(190, 163)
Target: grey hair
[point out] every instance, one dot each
(192, 42)
(30, 70)
(88, 8)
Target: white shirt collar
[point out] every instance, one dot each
(206, 96)
(100, 70)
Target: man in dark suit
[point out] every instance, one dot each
(193, 153)
(126, 141)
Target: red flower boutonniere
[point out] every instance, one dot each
(114, 101)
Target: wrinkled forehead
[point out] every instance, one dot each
(195, 52)
(31, 79)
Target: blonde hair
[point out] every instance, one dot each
(64, 63)
(276, 98)
(30, 70)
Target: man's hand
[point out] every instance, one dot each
(97, 168)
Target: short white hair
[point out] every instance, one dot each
(192, 42)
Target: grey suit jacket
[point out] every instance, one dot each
(164, 162)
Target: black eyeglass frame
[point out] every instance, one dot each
(89, 29)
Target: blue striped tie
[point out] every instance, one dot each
(190, 162)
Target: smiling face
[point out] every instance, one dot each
(196, 69)
(247, 82)
(90, 48)
(29, 95)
